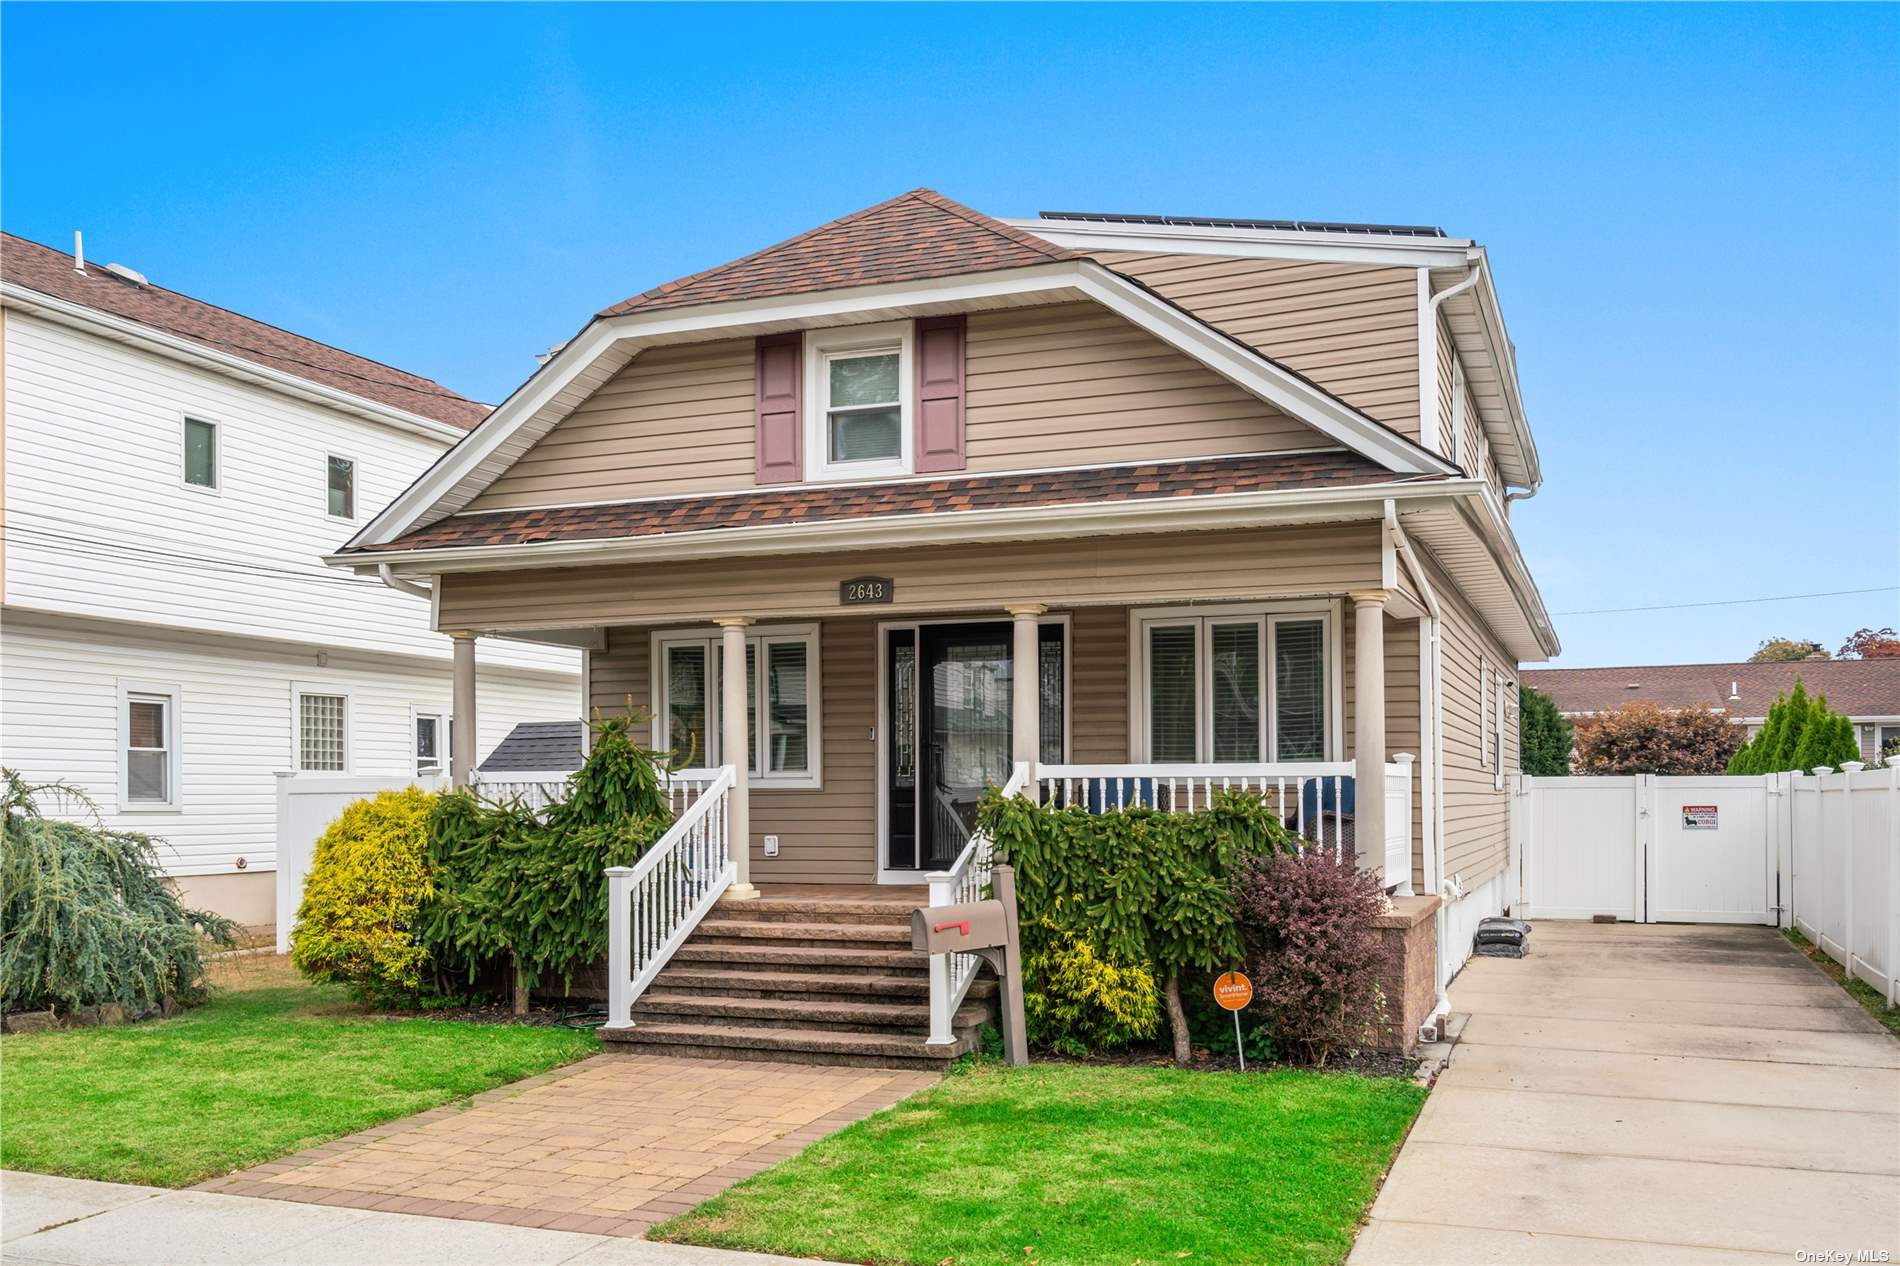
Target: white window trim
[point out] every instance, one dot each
(1061, 619)
(356, 487)
(216, 487)
(171, 693)
(824, 343)
(1270, 614)
(759, 638)
(298, 689)
(420, 713)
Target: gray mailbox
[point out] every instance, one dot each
(988, 930)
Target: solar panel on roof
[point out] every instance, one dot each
(1228, 222)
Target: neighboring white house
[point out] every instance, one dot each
(170, 640)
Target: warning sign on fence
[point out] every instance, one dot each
(1699, 817)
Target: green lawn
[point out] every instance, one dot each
(1058, 1163)
(1857, 989)
(269, 1066)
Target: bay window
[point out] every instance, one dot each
(1236, 685)
(783, 702)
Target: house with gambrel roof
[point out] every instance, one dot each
(1103, 509)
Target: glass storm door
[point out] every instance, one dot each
(965, 682)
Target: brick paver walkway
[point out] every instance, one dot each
(610, 1145)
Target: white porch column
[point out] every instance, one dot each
(1025, 700)
(462, 705)
(735, 740)
(1368, 730)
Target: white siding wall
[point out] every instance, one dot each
(59, 700)
(101, 523)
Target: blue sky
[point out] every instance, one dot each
(1693, 211)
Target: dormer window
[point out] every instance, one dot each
(857, 419)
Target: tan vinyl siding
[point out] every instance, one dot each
(1075, 385)
(1447, 418)
(1476, 813)
(675, 420)
(1098, 686)
(1058, 385)
(1254, 563)
(1352, 328)
(827, 835)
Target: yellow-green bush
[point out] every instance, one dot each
(1078, 1003)
(356, 925)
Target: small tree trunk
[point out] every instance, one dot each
(521, 991)
(1177, 1019)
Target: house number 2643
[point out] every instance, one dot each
(866, 589)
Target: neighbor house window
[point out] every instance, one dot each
(432, 744)
(201, 453)
(1241, 685)
(322, 732)
(859, 400)
(782, 702)
(342, 477)
(148, 733)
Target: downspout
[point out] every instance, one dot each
(1431, 325)
(1431, 777)
(400, 585)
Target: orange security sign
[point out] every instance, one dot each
(1233, 991)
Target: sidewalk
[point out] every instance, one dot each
(47, 1221)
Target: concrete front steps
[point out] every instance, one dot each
(822, 980)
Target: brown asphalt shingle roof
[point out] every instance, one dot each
(1855, 687)
(915, 236)
(949, 495)
(41, 268)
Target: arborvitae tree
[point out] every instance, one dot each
(1544, 735)
(1794, 724)
(1799, 734)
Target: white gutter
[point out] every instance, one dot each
(896, 531)
(1432, 773)
(66, 312)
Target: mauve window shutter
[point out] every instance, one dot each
(939, 439)
(779, 442)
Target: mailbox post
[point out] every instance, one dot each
(989, 930)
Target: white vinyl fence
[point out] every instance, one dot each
(306, 806)
(1844, 838)
(1818, 852)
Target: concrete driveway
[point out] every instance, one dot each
(1650, 1093)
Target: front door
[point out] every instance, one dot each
(963, 730)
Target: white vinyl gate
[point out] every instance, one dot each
(1650, 848)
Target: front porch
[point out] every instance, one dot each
(869, 738)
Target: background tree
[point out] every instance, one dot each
(1784, 650)
(1871, 644)
(1641, 738)
(1544, 735)
(1798, 734)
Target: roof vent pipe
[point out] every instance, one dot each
(79, 251)
(1734, 692)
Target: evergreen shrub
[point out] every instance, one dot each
(86, 917)
(368, 878)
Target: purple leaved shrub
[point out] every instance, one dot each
(1307, 922)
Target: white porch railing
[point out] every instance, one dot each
(1310, 797)
(536, 793)
(654, 905)
(967, 879)
(683, 786)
